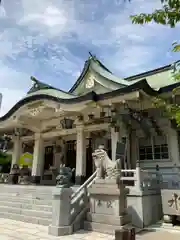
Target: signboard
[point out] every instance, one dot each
(26, 159)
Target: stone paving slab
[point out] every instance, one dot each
(16, 230)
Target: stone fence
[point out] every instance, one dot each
(141, 180)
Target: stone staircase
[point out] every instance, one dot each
(31, 204)
(26, 203)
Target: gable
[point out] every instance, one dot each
(93, 81)
(95, 71)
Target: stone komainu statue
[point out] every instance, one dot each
(106, 168)
(64, 177)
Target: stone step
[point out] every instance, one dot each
(26, 212)
(27, 195)
(100, 227)
(30, 189)
(24, 218)
(42, 192)
(36, 207)
(27, 200)
(23, 190)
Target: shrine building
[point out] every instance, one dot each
(59, 127)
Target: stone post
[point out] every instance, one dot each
(158, 176)
(80, 156)
(61, 208)
(138, 181)
(38, 159)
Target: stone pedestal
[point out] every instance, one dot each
(61, 207)
(109, 204)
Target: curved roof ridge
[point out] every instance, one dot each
(82, 75)
(39, 85)
(108, 75)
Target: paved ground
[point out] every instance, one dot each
(15, 230)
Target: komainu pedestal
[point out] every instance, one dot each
(108, 206)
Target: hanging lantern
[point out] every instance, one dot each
(91, 116)
(67, 123)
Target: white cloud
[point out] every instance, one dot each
(52, 17)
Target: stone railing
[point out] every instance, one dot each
(141, 180)
(85, 185)
(79, 201)
(71, 207)
(150, 180)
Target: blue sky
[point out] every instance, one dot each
(50, 39)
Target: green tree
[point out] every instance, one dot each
(169, 15)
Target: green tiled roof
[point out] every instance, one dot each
(156, 79)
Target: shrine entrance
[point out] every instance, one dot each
(49, 157)
(89, 160)
(70, 154)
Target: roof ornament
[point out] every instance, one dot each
(33, 79)
(91, 56)
(35, 82)
(38, 85)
